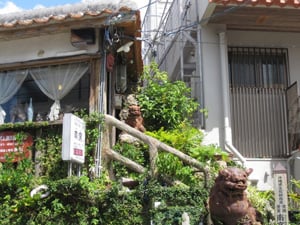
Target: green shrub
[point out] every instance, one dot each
(188, 140)
(174, 201)
(164, 103)
(264, 202)
(137, 153)
(294, 205)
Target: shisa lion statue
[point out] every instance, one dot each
(228, 202)
(132, 116)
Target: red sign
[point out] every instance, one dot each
(78, 152)
(14, 150)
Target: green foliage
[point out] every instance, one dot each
(18, 179)
(295, 202)
(15, 176)
(188, 140)
(121, 207)
(94, 124)
(174, 201)
(79, 200)
(184, 137)
(264, 202)
(294, 196)
(137, 153)
(49, 144)
(21, 126)
(163, 103)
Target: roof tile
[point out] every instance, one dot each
(280, 3)
(61, 13)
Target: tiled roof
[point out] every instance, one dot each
(62, 13)
(280, 3)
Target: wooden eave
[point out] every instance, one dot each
(254, 17)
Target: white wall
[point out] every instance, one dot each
(212, 85)
(42, 47)
(263, 172)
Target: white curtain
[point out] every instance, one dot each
(10, 82)
(57, 81)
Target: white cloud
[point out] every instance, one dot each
(39, 6)
(9, 7)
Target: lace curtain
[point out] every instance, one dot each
(57, 81)
(10, 82)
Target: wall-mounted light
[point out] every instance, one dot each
(126, 47)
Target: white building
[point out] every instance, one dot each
(240, 59)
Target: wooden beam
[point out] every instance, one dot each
(47, 62)
(127, 162)
(94, 85)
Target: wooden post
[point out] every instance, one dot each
(185, 219)
(281, 200)
(153, 154)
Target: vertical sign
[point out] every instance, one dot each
(73, 143)
(281, 199)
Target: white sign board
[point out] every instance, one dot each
(73, 143)
(281, 199)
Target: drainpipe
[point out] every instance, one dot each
(199, 64)
(226, 109)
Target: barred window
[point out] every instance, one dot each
(258, 67)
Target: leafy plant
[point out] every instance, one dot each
(188, 140)
(295, 202)
(264, 202)
(168, 203)
(164, 103)
(137, 153)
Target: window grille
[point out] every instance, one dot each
(258, 67)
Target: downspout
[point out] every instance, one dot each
(225, 88)
(199, 65)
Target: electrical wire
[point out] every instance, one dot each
(191, 26)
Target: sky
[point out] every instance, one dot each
(7, 6)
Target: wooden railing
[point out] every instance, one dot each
(154, 146)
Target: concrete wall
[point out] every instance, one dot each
(262, 175)
(42, 47)
(212, 85)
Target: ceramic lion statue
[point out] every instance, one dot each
(228, 202)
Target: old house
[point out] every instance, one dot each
(240, 58)
(66, 58)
